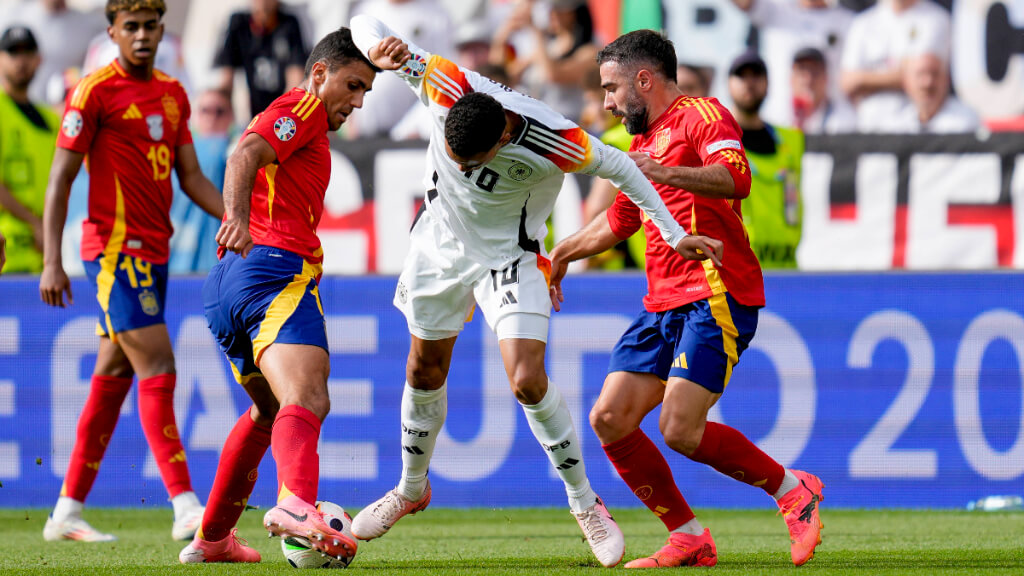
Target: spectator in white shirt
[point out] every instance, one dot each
(785, 27)
(814, 109)
(879, 41)
(930, 108)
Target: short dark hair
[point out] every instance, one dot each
(642, 47)
(115, 6)
(335, 50)
(474, 124)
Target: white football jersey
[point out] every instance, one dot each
(499, 210)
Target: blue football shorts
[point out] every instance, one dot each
(701, 342)
(131, 292)
(270, 296)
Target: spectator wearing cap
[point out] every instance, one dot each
(423, 22)
(267, 43)
(63, 35)
(814, 110)
(563, 53)
(773, 212)
(930, 109)
(28, 136)
(785, 27)
(880, 40)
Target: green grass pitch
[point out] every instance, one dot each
(547, 541)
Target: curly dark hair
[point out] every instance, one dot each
(474, 124)
(336, 49)
(642, 47)
(115, 6)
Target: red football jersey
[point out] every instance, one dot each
(288, 198)
(695, 132)
(130, 131)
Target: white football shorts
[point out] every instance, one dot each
(440, 287)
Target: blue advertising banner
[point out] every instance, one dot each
(899, 390)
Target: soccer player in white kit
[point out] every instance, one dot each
(495, 164)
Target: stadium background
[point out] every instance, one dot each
(895, 379)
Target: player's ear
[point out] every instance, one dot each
(644, 79)
(318, 73)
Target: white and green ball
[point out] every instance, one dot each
(301, 554)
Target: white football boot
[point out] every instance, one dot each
(376, 519)
(602, 533)
(187, 524)
(73, 528)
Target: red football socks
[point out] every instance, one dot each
(294, 440)
(156, 411)
(236, 477)
(95, 426)
(730, 452)
(644, 469)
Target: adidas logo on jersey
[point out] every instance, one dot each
(680, 362)
(132, 113)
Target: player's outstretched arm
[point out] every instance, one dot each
(253, 153)
(714, 181)
(389, 54)
(195, 185)
(594, 238)
(53, 282)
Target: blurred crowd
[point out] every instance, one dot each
(813, 66)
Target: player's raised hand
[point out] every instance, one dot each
(559, 266)
(390, 53)
(701, 248)
(649, 166)
(234, 236)
(53, 283)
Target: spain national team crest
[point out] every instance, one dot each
(284, 128)
(155, 123)
(72, 125)
(662, 141)
(171, 110)
(149, 303)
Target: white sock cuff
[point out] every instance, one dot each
(547, 407)
(426, 396)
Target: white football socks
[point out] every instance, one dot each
(184, 502)
(552, 425)
(693, 527)
(423, 413)
(67, 508)
(789, 481)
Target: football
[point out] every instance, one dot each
(299, 552)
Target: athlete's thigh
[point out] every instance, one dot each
(709, 337)
(515, 301)
(434, 290)
(148, 349)
(626, 398)
(131, 292)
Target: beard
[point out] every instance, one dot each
(751, 106)
(634, 114)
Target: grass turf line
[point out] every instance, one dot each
(547, 541)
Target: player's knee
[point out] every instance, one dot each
(681, 436)
(608, 424)
(529, 386)
(424, 375)
(264, 413)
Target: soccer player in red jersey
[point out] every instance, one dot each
(131, 121)
(262, 303)
(699, 316)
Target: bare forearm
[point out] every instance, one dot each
(860, 83)
(17, 209)
(594, 238)
(54, 215)
(713, 181)
(238, 183)
(205, 195)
